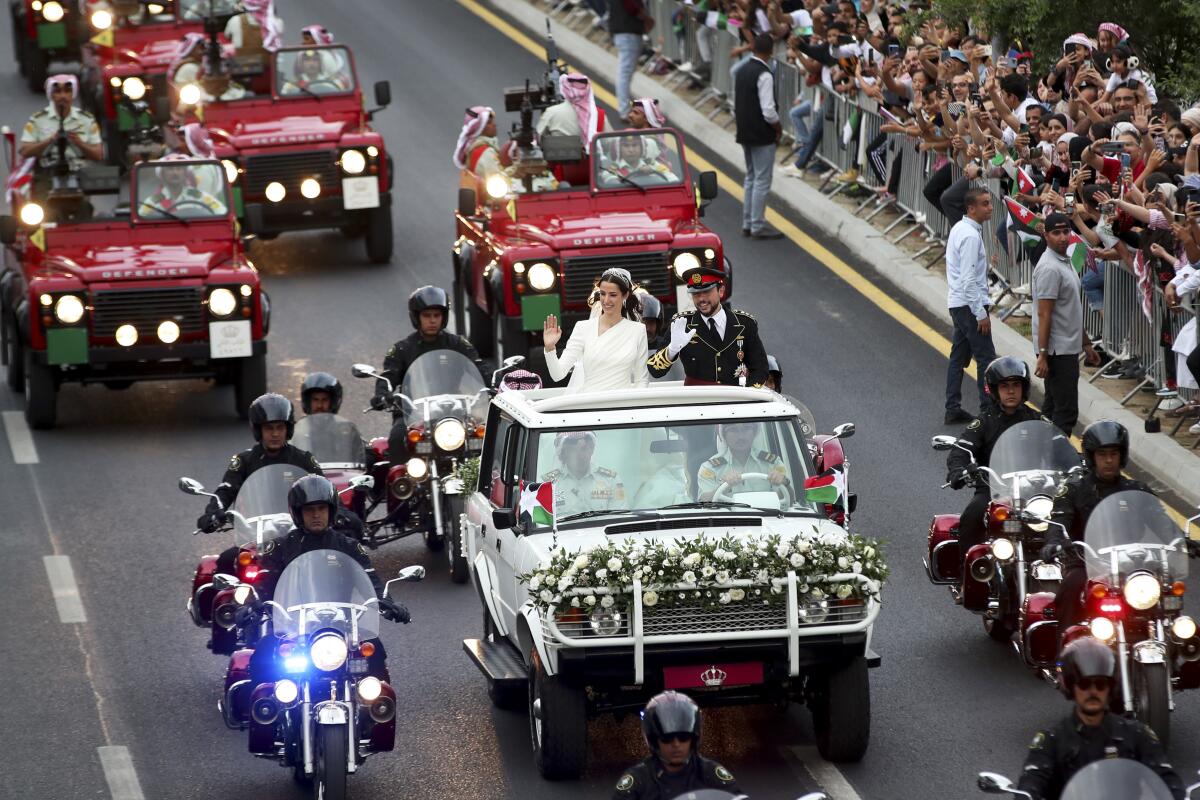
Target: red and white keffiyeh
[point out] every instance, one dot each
(263, 12)
(197, 140)
(318, 33)
(650, 108)
(62, 78)
(576, 88)
(474, 122)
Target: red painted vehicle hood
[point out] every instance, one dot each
(307, 129)
(597, 230)
(95, 263)
(151, 47)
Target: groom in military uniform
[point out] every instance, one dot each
(719, 345)
(578, 486)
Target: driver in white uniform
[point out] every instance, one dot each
(579, 486)
(734, 458)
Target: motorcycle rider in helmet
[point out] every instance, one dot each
(774, 375)
(313, 503)
(654, 317)
(1090, 733)
(671, 725)
(429, 312)
(321, 393)
(1007, 381)
(1105, 449)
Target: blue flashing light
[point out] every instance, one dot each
(297, 663)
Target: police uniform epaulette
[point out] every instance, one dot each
(682, 315)
(606, 472)
(770, 458)
(45, 112)
(741, 313)
(716, 461)
(552, 475)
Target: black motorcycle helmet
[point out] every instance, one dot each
(271, 408)
(320, 382)
(774, 370)
(652, 308)
(670, 712)
(1002, 369)
(428, 297)
(1105, 433)
(1084, 658)
(308, 490)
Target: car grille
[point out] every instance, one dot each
(649, 270)
(290, 169)
(742, 616)
(146, 308)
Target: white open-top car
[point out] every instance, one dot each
(682, 553)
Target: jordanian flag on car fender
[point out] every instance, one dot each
(537, 503)
(1023, 223)
(827, 488)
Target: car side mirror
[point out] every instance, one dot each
(383, 93)
(467, 203)
(191, 486)
(708, 185)
(8, 229)
(844, 431)
(254, 218)
(504, 518)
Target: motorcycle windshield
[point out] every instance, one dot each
(1131, 532)
(1030, 459)
(260, 512)
(330, 438)
(1116, 779)
(444, 383)
(325, 589)
(808, 423)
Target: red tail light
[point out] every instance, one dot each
(1112, 607)
(250, 573)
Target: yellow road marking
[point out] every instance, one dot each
(801, 239)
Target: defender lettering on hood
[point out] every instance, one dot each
(630, 238)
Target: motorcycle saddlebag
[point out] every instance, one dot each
(1041, 629)
(975, 592)
(942, 560)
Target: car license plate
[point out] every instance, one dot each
(1047, 572)
(360, 193)
(713, 676)
(230, 339)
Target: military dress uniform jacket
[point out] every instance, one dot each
(982, 434)
(708, 478)
(403, 353)
(648, 780)
(599, 489)
(248, 461)
(707, 360)
(44, 125)
(1058, 752)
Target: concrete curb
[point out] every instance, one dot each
(1170, 463)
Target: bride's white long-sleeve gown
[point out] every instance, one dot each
(615, 359)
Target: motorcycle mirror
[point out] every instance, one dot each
(363, 371)
(407, 575)
(512, 361)
(993, 783)
(844, 431)
(191, 486)
(943, 442)
(364, 481)
(1078, 469)
(814, 796)
(223, 581)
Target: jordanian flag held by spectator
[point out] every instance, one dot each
(1023, 223)
(1024, 182)
(537, 504)
(1079, 252)
(828, 488)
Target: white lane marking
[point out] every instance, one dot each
(20, 438)
(65, 589)
(827, 776)
(120, 774)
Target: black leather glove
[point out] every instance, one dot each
(1050, 551)
(1193, 548)
(210, 521)
(379, 402)
(247, 614)
(960, 479)
(393, 611)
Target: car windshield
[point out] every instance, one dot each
(727, 466)
(1131, 532)
(313, 71)
(637, 159)
(181, 190)
(260, 512)
(325, 589)
(199, 9)
(1030, 459)
(330, 438)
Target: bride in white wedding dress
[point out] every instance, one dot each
(608, 350)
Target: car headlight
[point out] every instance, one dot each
(1142, 591)
(1184, 628)
(417, 468)
(1003, 550)
(231, 170)
(126, 335)
(134, 88)
(369, 688)
(68, 309)
(102, 19)
(275, 191)
(353, 162)
(32, 214)
(328, 652)
(310, 188)
(606, 622)
(221, 302)
(286, 691)
(685, 261)
(449, 434)
(1103, 629)
(496, 187)
(541, 276)
(1041, 507)
(52, 11)
(190, 94)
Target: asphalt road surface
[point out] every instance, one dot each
(947, 702)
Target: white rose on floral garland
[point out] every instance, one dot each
(762, 576)
(796, 560)
(783, 549)
(535, 583)
(574, 602)
(803, 546)
(708, 571)
(737, 594)
(724, 598)
(719, 554)
(581, 561)
(590, 600)
(856, 567)
(602, 574)
(565, 582)
(727, 555)
(546, 595)
(844, 591)
(674, 551)
(723, 576)
(692, 560)
(817, 594)
(614, 564)
(607, 601)
(689, 577)
(650, 598)
(843, 562)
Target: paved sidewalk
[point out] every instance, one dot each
(1174, 466)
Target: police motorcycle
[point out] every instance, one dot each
(320, 711)
(1136, 559)
(828, 456)
(1108, 779)
(259, 515)
(1029, 462)
(337, 445)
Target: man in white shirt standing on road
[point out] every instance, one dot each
(758, 131)
(966, 274)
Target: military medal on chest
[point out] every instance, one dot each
(741, 372)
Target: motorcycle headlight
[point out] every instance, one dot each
(190, 94)
(231, 170)
(449, 434)
(606, 622)
(1003, 549)
(685, 261)
(541, 276)
(417, 468)
(221, 302)
(32, 214)
(496, 187)
(102, 20)
(1142, 591)
(353, 162)
(1040, 506)
(369, 688)
(328, 652)
(134, 88)
(52, 11)
(1103, 629)
(68, 309)
(1184, 628)
(286, 691)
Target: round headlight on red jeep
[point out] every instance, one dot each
(101, 19)
(190, 94)
(231, 170)
(496, 187)
(68, 309)
(221, 302)
(685, 261)
(353, 162)
(134, 88)
(52, 11)
(32, 214)
(541, 276)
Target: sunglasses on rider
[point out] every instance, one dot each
(1089, 684)
(668, 738)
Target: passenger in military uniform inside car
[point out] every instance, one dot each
(735, 457)
(578, 485)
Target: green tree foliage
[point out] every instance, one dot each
(1165, 33)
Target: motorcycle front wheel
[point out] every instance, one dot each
(1150, 699)
(329, 773)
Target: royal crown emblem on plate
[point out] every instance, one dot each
(714, 676)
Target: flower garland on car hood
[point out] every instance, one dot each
(709, 572)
